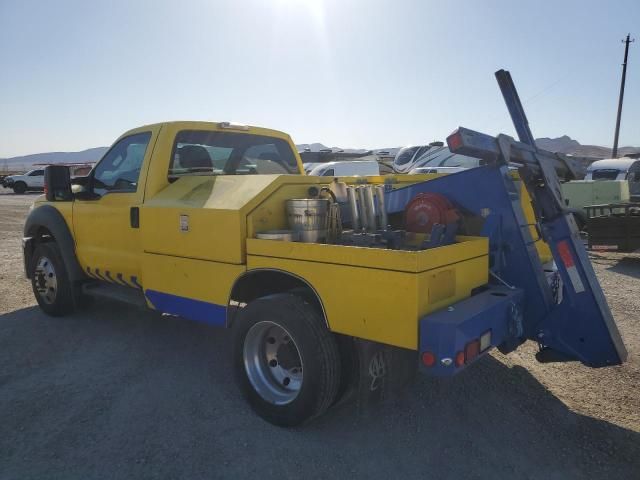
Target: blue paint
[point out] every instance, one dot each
(512, 255)
(446, 332)
(191, 309)
(580, 327)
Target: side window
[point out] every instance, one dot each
(329, 173)
(37, 173)
(119, 169)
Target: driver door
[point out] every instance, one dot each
(106, 218)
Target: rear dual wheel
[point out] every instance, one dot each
(286, 361)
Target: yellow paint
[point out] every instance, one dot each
(103, 234)
(206, 281)
(379, 294)
(544, 252)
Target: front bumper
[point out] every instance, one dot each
(445, 333)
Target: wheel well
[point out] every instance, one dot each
(261, 283)
(38, 234)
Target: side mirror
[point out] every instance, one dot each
(57, 183)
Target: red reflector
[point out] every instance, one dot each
(565, 254)
(454, 141)
(459, 359)
(471, 350)
(429, 359)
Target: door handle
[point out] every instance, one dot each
(134, 217)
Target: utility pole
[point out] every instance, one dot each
(624, 76)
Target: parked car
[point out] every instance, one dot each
(32, 180)
(433, 155)
(346, 169)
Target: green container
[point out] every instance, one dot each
(580, 193)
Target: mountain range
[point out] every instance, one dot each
(563, 144)
(566, 144)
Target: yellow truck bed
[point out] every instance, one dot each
(374, 293)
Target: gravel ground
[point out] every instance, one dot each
(120, 393)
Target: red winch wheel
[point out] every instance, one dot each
(427, 209)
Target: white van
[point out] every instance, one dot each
(617, 169)
(347, 169)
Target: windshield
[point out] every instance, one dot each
(405, 155)
(605, 174)
(199, 152)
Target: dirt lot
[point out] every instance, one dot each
(120, 393)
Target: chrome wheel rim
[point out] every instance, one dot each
(45, 280)
(273, 363)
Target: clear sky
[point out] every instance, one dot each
(349, 73)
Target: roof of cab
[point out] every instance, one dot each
(222, 126)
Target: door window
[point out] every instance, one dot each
(119, 169)
(37, 173)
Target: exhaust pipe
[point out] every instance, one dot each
(353, 206)
(382, 211)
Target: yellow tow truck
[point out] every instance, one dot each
(330, 285)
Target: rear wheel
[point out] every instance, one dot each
(49, 280)
(19, 188)
(286, 362)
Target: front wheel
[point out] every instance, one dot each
(286, 361)
(19, 188)
(51, 285)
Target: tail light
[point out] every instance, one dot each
(471, 350)
(428, 359)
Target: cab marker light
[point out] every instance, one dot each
(233, 126)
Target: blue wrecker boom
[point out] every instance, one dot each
(520, 302)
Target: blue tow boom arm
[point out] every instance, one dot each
(520, 303)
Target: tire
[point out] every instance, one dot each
(265, 362)
(51, 285)
(19, 188)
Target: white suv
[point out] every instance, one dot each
(33, 180)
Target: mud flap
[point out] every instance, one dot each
(382, 370)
